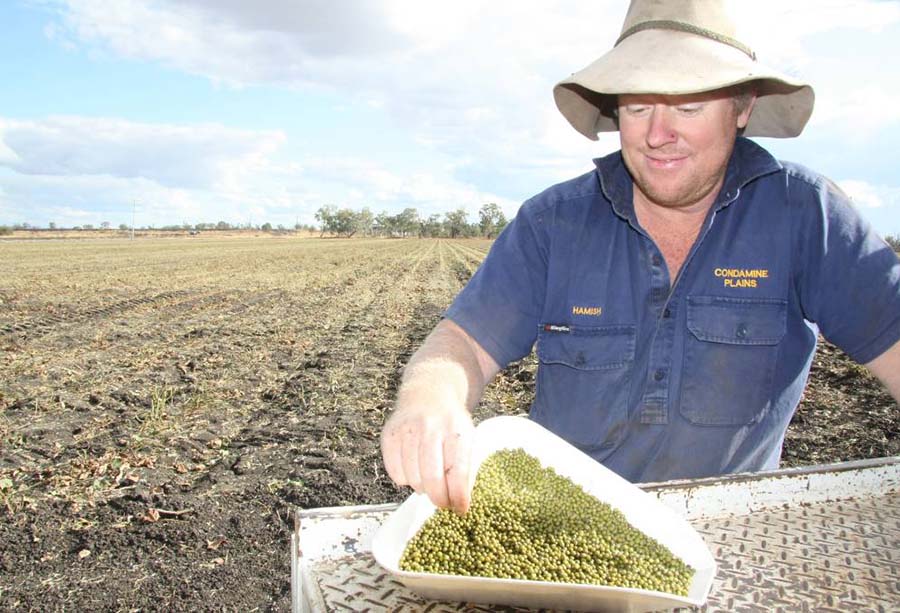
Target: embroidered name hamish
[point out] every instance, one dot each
(593, 311)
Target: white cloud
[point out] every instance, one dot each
(74, 200)
(467, 78)
(232, 41)
(74, 170)
(191, 156)
(832, 45)
(456, 76)
(861, 109)
(868, 196)
(381, 188)
(777, 30)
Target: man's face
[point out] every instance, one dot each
(677, 147)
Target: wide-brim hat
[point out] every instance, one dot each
(674, 47)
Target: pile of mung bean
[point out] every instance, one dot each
(527, 522)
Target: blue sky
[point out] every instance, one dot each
(208, 110)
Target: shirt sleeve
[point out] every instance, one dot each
(501, 305)
(848, 276)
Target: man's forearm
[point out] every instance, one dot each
(887, 368)
(450, 363)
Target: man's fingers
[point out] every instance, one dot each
(431, 468)
(457, 463)
(410, 441)
(430, 455)
(392, 453)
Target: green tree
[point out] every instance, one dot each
(408, 222)
(384, 224)
(364, 221)
(456, 223)
(491, 220)
(341, 222)
(326, 216)
(430, 227)
(345, 223)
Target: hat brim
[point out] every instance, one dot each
(667, 62)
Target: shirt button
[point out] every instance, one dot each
(741, 331)
(659, 375)
(657, 261)
(667, 313)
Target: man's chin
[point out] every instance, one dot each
(668, 198)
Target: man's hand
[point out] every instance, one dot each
(427, 442)
(428, 447)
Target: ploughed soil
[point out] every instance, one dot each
(166, 405)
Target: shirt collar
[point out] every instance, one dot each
(748, 162)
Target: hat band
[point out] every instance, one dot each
(666, 24)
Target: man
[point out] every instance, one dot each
(675, 293)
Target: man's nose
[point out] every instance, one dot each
(661, 130)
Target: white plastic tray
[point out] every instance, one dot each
(642, 510)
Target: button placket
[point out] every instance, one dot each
(655, 401)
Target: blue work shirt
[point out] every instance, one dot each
(659, 378)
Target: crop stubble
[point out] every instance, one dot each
(164, 403)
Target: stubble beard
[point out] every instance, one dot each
(676, 198)
(690, 191)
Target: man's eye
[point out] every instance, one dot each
(637, 109)
(690, 109)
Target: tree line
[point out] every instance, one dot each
(184, 227)
(347, 222)
(342, 222)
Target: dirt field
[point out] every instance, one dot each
(164, 404)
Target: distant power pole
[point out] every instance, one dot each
(133, 206)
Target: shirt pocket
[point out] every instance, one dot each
(583, 384)
(729, 360)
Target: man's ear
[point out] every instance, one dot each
(744, 116)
